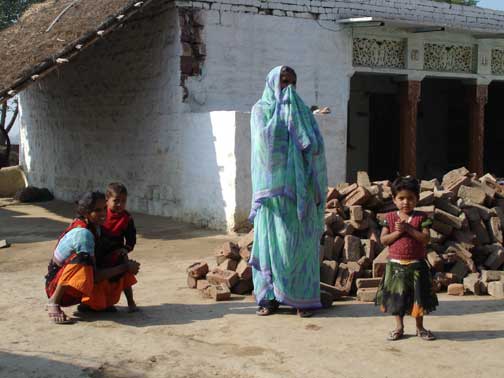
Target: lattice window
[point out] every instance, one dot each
(369, 52)
(448, 58)
(498, 61)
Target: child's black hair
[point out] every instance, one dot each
(115, 189)
(87, 202)
(406, 183)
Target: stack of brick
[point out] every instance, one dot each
(231, 275)
(466, 235)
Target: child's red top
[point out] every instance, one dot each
(406, 247)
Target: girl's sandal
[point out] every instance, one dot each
(56, 315)
(396, 334)
(425, 334)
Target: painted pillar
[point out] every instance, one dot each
(477, 97)
(409, 93)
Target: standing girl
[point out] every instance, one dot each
(406, 288)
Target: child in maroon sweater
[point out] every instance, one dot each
(406, 288)
(119, 234)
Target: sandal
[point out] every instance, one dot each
(396, 334)
(304, 313)
(425, 334)
(56, 315)
(269, 309)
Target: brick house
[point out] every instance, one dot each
(156, 93)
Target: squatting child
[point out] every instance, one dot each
(119, 233)
(406, 288)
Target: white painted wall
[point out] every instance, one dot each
(116, 113)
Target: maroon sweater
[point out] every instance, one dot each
(406, 247)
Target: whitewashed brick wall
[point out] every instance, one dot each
(416, 11)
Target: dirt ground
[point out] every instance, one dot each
(180, 334)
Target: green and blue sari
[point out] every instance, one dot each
(289, 181)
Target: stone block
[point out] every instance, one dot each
(472, 284)
(247, 240)
(456, 289)
(480, 230)
(472, 213)
(198, 269)
(243, 286)
(218, 292)
(484, 212)
(369, 248)
(346, 230)
(380, 263)
(244, 270)
(447, 218)
(454, 175)
(455, 185)
(495, 230)
(427, 186)
(352, 249)
(202, 284)
(338, 245)
(466, 238)
(445, 279)
(367, 294)
(229, 250)
(365, 262)
(228, 264)
(328, 272)
(442, 228)
(428, 210)
(191, 281)
(436, 237)
(363, 283)
(426, 199)
(345, 280)
(326, 299)
(344, 191)
(472, 195)
(496, 289)
(495, 260)
(328, 247)
(332, 194)
(336, 206)
(447, 206)
(4, 244)
(492, 275)
(435, 261)
(245, 254)
(333, 290)
(356, 213)
(460, 270)
(226, 277)
(358, 197)
(363, 179)
(444, 194)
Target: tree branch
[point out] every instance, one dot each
(13, 118)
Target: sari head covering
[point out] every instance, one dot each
(287, 148)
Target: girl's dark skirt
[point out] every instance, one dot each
(407, 290)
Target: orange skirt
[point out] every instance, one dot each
(76, 274)
(107, 293)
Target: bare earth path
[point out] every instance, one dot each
(179, 334)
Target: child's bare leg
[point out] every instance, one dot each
(132, 307)
(53, 306)
(399, 323)
(422, 332)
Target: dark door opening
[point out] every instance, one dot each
(442, 128)
(383, 136)
(494, 130)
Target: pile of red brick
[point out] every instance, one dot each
(232, 274)
(466, 249)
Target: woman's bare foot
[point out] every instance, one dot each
(132, 307)
(304, 313)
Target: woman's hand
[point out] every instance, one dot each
(401, 227)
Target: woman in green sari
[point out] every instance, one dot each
(289, 181)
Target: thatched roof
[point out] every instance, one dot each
(37, 44)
